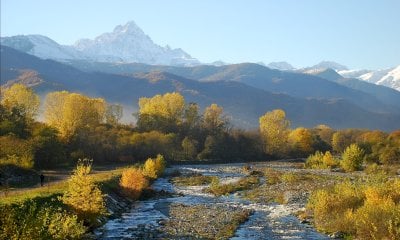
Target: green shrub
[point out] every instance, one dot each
(318, 160)
(32, 219)
(352, 158)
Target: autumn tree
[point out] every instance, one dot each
(372, 137)
(161, 112)
(152, 143)
(301, 141)
(344, 138)
(189, 147)
(191, 116)
(83, 195)
(324, 132)
(21, 97)
(13, 121)
(211, 149)
(274, 128)
(213, 119)
(71, 112)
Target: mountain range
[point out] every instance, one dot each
(129, 44)
(205, 85)
(126, 64)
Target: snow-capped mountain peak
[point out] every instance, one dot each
(387, 77)
(41, 46)
(126, 43)
(330, 64)
(281, 66)
(392, 79)
(128, 27)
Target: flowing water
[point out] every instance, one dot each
(268, 221)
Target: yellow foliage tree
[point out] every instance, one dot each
(301, 140)
(21, 97)
(274, 128)
(161, 111)
(213, 119)
(319, 160)
(149, 169)
(70, 112)
(83, 195)
(153, 168)
(169, 105)
(133, 182)
(160, 164)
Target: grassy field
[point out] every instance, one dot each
(103, 177)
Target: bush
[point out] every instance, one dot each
(389, 155)
(318, 160)
(365, 210)
(352, 158)
(83, 195)
(290, 178)
(133, 182)
(32, 220)
(330, 207)
(154, 168)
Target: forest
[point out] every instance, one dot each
(77, 126)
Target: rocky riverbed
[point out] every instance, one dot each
(193, 213)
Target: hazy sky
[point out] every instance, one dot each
(356, 33)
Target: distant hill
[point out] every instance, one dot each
(245, 104)
(384, 94)
(291, 83)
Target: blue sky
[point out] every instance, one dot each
(356, 33)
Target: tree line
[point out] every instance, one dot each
(76, 126)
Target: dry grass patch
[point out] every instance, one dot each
(244, 183)
(193, 180)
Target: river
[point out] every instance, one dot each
(268, 221)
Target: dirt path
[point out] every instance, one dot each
(54, 177)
